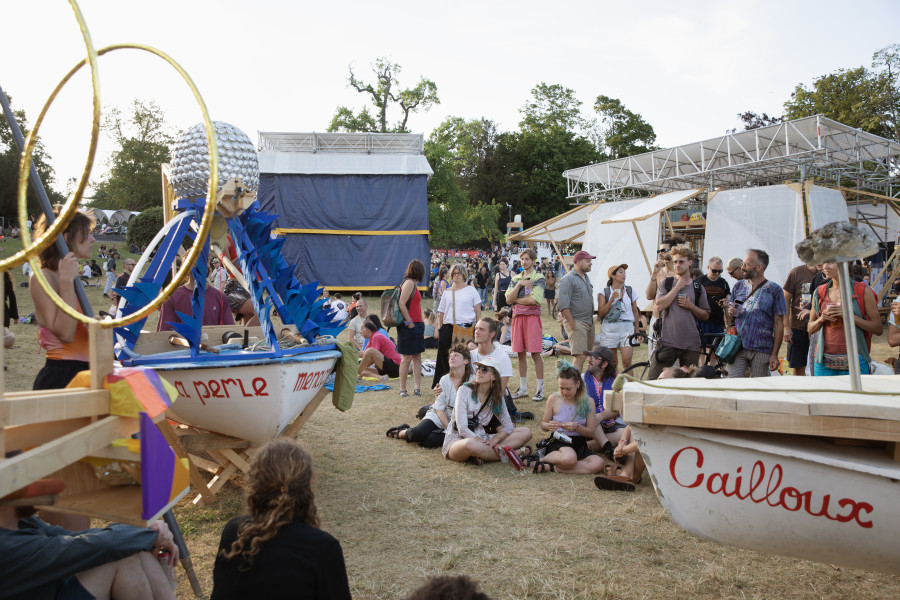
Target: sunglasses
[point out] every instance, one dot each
(716, 270)
(662, 250)
(481, 369)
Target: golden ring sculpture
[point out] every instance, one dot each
(30, 251)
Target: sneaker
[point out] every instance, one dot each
(539, 397)
(522, 393)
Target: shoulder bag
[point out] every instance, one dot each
(461, 335)
(730, 345)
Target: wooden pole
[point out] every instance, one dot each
(558, 253)
(643, 251)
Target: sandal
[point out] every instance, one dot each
(395, 430)
(543, 467)
(617, 483)
(417, 392)
(474, 460)
(396, 434)
(404, 394)
(524, 451)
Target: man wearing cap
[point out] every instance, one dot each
(599, 377)
(526, 294)
(576, 304)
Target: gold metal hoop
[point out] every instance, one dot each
(30, 251)
(205, 224)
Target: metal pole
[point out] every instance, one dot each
(38, 186)
(849, 325)
(184, 555)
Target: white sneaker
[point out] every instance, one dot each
(539, 397)
(522, 393)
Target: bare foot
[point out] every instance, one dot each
(383, 378)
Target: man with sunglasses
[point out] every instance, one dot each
(662, 268)
(717, 289)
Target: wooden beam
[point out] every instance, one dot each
(293, 429)
(558, 253)
(26, 408)
(643, 251)
(27, 436)
(199, 442)
(175, 442)
(28, 467)
(100, 351)
(894, 273)
(864, 429)
(665, 213)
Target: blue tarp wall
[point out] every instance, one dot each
(372, 226)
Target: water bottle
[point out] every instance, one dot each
(562, 437)
(514, 459)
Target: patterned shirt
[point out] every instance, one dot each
(755, 320)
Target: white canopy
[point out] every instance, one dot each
(826, 206)
(653, 206)
(567, 228)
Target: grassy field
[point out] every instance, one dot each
(403, 513)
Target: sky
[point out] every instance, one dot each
(275, 65)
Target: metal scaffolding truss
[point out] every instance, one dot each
(809, 147)
(369, 143)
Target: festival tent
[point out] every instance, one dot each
(567, 228)
(352, 206)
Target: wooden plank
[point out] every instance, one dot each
(175, 442)
(865, 429)
(122, 504)
(893, 450)
(28, 467)
(236, 459)
(154, 342)
(294, 428)
(637, 234)
(198, 442)
(100, 351)
(206, 465)
(25, 408)
(35, 434)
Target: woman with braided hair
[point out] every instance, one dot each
(278, 550)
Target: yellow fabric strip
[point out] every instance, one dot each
(363, 288)
(282, 231)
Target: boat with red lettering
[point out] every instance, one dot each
(798, 466)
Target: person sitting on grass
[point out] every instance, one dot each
(429, 433)
(380, 358)
(599, 377)
(630, 473)
(430, 319)
(278, 550)
(481, 425)
(120, 561)
(569, 412)
(374, 320)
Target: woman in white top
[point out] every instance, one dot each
(461, 305)
(429, 433)
(620, 315)
(481, 425)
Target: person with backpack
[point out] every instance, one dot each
(681, 302)
(618, 309)
(758, 309)
(831, 351)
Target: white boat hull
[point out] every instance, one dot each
(254, 402)
(781, 494)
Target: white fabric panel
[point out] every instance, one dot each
(342, 163)
(653, 206)
(769, 218)
(825, 206)
(567, 228)
(616, 243)
(875, 215)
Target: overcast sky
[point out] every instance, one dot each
(688, 68)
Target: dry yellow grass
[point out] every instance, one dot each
(403, 513)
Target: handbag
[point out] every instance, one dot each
(490, 428)
(730, 345)
(461, 335)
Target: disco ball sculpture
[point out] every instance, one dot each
(190, 160)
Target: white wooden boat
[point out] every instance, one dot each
(243, 398)
(795, 466)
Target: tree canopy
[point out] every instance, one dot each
(623, 132)
(143, 140)
(9, 170)
(385, 94)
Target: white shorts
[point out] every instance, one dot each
(615, 335)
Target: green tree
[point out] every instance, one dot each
(552, 107)
(142, 227)
(385, 94)
(854, 97)
(623, 132)
(752, 120)
(9, 171)
(143, 141)
(452, 219)
(888, 61)
(473, 146)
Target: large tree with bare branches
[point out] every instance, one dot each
(385, 94)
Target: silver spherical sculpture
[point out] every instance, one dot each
(190, 160)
